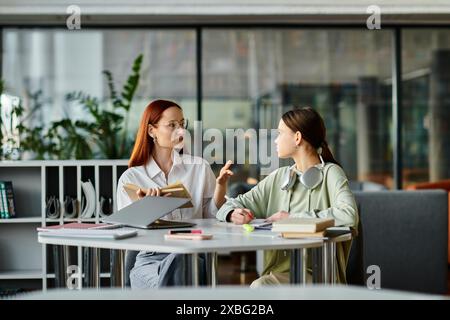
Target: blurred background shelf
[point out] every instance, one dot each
(80, 220)
(20, 274)
(33, 183)
(102, 275)
(21, 220)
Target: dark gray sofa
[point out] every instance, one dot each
(405, 234)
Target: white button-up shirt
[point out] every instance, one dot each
(194, 172)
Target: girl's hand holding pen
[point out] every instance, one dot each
(241, 216)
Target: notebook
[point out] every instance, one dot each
(301, 235)
(80, 226)
(261, 224)
(147, 213)
(309, 225)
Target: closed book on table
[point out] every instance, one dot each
(80, 226)
(307, 225)
(112, 234)
(300, 235)
(327, 233)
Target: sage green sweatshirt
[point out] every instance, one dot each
(331, 199)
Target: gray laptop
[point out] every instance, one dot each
(146, 213)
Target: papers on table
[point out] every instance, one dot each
(261, 224)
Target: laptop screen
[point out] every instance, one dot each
(144, 212)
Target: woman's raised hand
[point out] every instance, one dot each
(225, 173)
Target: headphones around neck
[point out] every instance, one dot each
(311, 178)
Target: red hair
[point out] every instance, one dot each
(144, 144)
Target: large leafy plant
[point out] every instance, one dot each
(43, 143)
(9, 129)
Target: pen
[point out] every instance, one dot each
(185, 231)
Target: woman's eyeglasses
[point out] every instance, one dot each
(173, 125)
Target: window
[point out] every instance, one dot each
(58, 61)
(252, 76)
(426, 105)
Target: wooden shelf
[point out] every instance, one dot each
(22, 220)
(21, 274)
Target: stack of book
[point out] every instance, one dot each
(295, 228)
(7, 204)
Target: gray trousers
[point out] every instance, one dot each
(155, 270)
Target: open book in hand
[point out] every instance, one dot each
(176, 190)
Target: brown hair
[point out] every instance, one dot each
(310, 124)
(143, 146)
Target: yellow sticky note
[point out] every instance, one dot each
(248, 228)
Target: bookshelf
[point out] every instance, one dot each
(22, 220)
(26, 264)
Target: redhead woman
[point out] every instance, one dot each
(155, 163)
